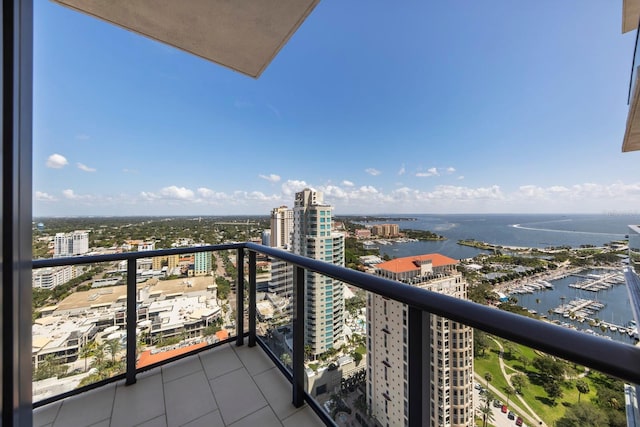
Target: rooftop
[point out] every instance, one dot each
(411, 263)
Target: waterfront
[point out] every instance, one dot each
(537, 231)
(617, 309)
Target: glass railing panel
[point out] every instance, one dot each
(79, 320)
(634, 69)
(181, 311)
(634, 248)
(515, 382)
(274, 282)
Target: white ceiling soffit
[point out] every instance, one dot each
(630, 14)
(244, 35)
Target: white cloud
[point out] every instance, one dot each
(347, 183)
(56, 161)
(429, 172)
(402, 170)
(176, 193)
(271, 177)
(70, 194)
(290, 187)
(372, 171)
(451, 170)
(45, 197)
(209, 194)
(461, 177)
(85, 168)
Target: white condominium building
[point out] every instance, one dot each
(450, 358)
(313, 237)
(68, 244)
(281, 227)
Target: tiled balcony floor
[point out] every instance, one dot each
(225, 386)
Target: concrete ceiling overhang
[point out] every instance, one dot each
(244, 35)
(631, 141)
(630, 15)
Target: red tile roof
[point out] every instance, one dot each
(402, 265)
(146, 358)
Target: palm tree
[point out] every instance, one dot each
(113, 346)
(508, 390)
(583, 388)
(285, 358)
(488, 377)
(87, 351)
(487, 415)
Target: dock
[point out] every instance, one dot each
(595, 283)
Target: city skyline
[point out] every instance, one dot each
(427, 116)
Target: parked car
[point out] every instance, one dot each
(497, 403)
(511, 415)
(504, 409)
(519, 421)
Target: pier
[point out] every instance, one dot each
(595, 283)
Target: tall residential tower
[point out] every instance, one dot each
(313, 237)
(450, 357)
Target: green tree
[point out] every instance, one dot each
(519, 382)
(286, 359)
(113, 347)
(553, 389)
(583, 388)
(488, 378)
(487, 415)
(509, 391)
(480, 342)
(583, 415)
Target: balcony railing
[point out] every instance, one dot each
(610, 357)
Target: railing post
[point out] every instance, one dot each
(252, 299)
(240, 298)
(131, 321)
(298, 336)
(419, 374)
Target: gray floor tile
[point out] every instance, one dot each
(278, 392)
(188, 398)
(219, 361)
(263, 417)
(303, 417)
(87, 408)
(160, 421)
(103, 423)
(139, 402)
(237, 395)
(46, 414)
(212, 419)
(256, 362)
(181, 368)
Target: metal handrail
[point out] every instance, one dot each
(610, 357)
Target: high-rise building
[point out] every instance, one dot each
(202, 264)
(68, 244)
(313, 237)
(450, 358)
(281, 227)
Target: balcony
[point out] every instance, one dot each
(223, 386)
(229, 382)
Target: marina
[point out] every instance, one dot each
(595, 282)
(607, 312)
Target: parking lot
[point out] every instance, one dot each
(499, 419)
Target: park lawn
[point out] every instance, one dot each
(489, 363)
(533, 394)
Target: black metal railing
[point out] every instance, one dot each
(610, 357)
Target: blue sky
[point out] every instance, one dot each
(432, 107)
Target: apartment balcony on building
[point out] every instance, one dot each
(163, 359)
